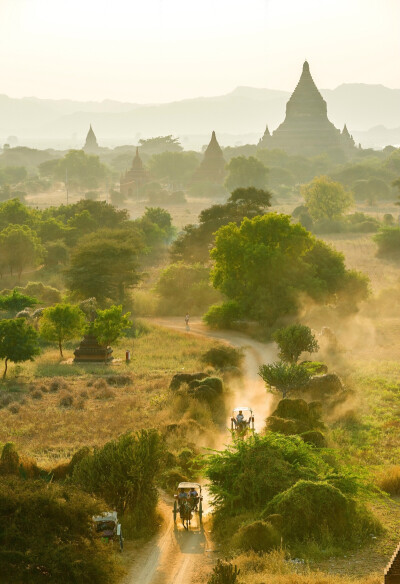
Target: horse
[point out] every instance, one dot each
(185, 513)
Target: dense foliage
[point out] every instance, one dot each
(123, 473)
(46, 535)
(267, 263)
(294, 340)
(18, 341)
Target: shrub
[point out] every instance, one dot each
(37, 394)
(223, 316)
(314, 437)
(123, 471)
(303, 416)
(214, 383)
(180, 378)
(259, 536)
(224, 573)
(66, 400)
(317, 510)
(252, 472)
(223, 356)
(321, 386)
(390, 480)
(172, 477)
(9, 461)
(57, 384)
(388, 241)
(47, 534)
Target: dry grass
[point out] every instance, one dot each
(277, 567)
(389, 480)
(80, 407)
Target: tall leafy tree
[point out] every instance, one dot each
(266, 263)
(174, 166)
(61, 323)
(18, 342)
(294, 340)
(246, 172)
(110, 324)
(21, 246)
(104, 264)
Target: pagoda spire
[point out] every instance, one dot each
(91, 140)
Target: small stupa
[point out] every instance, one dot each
(134, 178)
(306, 129)
(90, 351)
(392, 572)
(91, 144)
(212, 167)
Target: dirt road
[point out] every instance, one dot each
(177, 556)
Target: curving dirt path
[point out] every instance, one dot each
(174, 555)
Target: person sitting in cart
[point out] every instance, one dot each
(239, 419)
(193, 496)
(182, 495)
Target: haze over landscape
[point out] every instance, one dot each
(200, 292)
(113, 64)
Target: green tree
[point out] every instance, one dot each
(259, 264)
(285, 377)
(16, 301)
(251, 196)
(21, 246)
(246, 172)
(110, 324)
(83, 170)
(194, 243)
(159, 144)
(326, 199)
(184, 288)
(266, 263)
(396, 183)
(14, 212)
(61, 323)
(176, 167)
(294, 340)
(56, 252)
(18, 342)
(104, 264)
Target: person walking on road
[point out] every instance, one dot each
(187, 321)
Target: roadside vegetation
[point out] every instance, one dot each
(311, 264)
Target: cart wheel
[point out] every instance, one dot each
(175, 510)
(201, 511)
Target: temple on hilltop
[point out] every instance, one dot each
(306, 129)
(212, 167)
(134, 178)
(91, 144)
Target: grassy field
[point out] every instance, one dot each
(50, 407)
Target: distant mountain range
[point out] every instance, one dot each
(371, 112)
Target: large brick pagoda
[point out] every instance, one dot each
(306, 129)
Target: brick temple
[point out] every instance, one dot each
(306, 129)
(134, 178)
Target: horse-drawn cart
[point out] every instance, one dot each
(188, 500)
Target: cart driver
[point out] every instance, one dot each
(182, 496)
(193, 496)
(239, 419)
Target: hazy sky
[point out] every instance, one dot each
(162, 50)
